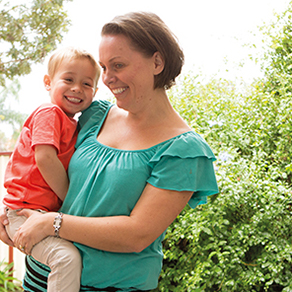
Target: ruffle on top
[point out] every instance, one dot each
(185, 163)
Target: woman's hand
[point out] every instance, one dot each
(4, 221)
(37, 227)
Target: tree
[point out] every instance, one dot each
(28, 32)
(9, 116)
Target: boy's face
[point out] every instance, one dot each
(72, 88)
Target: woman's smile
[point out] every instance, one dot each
(120, 90)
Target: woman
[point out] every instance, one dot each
(136, 166)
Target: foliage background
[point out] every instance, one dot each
(242, 239)
(7, 282)
(28, 32)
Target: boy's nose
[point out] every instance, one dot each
(77, 88)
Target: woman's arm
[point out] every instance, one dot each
(52, 169)
(153, 213)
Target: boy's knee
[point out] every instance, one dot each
(64, 256)
(70, 256)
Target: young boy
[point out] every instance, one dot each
(36, 174)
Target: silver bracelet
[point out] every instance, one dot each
(57, 223)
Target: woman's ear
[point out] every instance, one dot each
(158, 63)
(47, 82)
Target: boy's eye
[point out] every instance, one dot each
(68, 79)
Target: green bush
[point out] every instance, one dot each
(242, 239)
(7, 282)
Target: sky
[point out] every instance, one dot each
(209, 31)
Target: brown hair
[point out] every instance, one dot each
(149, 34)
(71, 53)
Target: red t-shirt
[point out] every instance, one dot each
(25, 185)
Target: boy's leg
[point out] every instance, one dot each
(65, 263)
(15, 222)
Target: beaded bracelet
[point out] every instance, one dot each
(57, 223)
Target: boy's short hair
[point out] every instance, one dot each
(149, 34)
(71, 53)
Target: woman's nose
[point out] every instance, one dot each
(108, 77)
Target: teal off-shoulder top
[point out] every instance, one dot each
(105, 181)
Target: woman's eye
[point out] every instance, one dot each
(119, 66)
(102, 67)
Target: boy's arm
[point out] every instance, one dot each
(52, 169)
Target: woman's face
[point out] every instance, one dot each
(126, 72)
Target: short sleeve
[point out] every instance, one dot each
(44, 132)
(185, 164)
